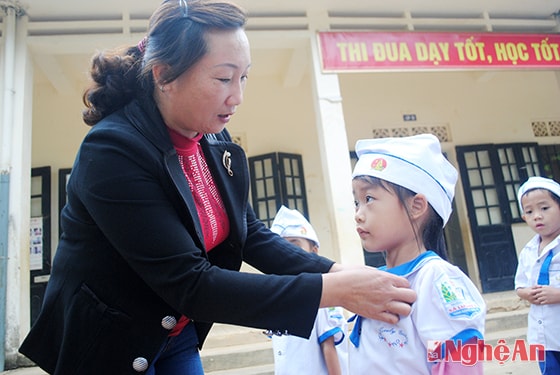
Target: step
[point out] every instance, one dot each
(508, 335)
(222, 335)
(506, 320)
(503, 301)
(237, 356)
(236, 348)
(254, 370)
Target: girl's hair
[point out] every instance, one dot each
(432, 231)
(175, 38)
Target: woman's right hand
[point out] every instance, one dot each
(368, 292)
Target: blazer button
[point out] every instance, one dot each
(169, 322)
(140, 364)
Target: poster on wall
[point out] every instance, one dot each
(368, 51)
(36, 244)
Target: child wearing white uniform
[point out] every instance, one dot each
(325, 352)
(403, 189)
(537, 279)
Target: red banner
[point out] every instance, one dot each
(387, 51)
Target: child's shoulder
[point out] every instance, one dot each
(438, 265)
(532, 244)
(438, 272)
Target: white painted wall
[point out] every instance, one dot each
(493, 108)
(57, 132)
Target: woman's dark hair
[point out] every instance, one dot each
(175, 38)
(432, 232)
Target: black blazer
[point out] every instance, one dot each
(132, 257)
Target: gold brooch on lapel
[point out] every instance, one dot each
(226, 161)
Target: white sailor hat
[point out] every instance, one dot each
(291, 223)
(538, 183)
(415, 163)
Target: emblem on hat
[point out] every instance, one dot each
(379, 164)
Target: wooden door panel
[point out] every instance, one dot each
(497, 258)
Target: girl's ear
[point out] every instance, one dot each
(418, 205)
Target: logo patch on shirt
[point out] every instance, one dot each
(392, 337)
(457, 298)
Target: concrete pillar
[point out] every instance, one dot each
(15, 130)
(335, 161)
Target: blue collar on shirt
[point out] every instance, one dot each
(400, 270)
(409, 267)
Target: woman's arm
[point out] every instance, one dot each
(368, 292)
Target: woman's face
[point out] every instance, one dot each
(203, 99)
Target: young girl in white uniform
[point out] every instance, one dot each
(326, 350)
(403, 191)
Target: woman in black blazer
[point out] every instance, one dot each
(157, 221)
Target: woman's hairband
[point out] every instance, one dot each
(142, 44)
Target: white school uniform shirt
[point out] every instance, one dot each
(295, 355)
(543, 320)
(448, 306)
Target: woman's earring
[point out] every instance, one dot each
(161, 88)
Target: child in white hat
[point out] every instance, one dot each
(537, 279)
(325, 352)
(403, 191)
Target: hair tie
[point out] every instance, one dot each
(142, 44)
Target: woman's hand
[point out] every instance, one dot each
(368, 292)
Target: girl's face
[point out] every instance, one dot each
(383, 223)
(204, 98)
(542, 213)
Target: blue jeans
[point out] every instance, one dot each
(179, 355)
(551, 364)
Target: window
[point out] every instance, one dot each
(518, 162)
(277, 179)
(551, 160)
